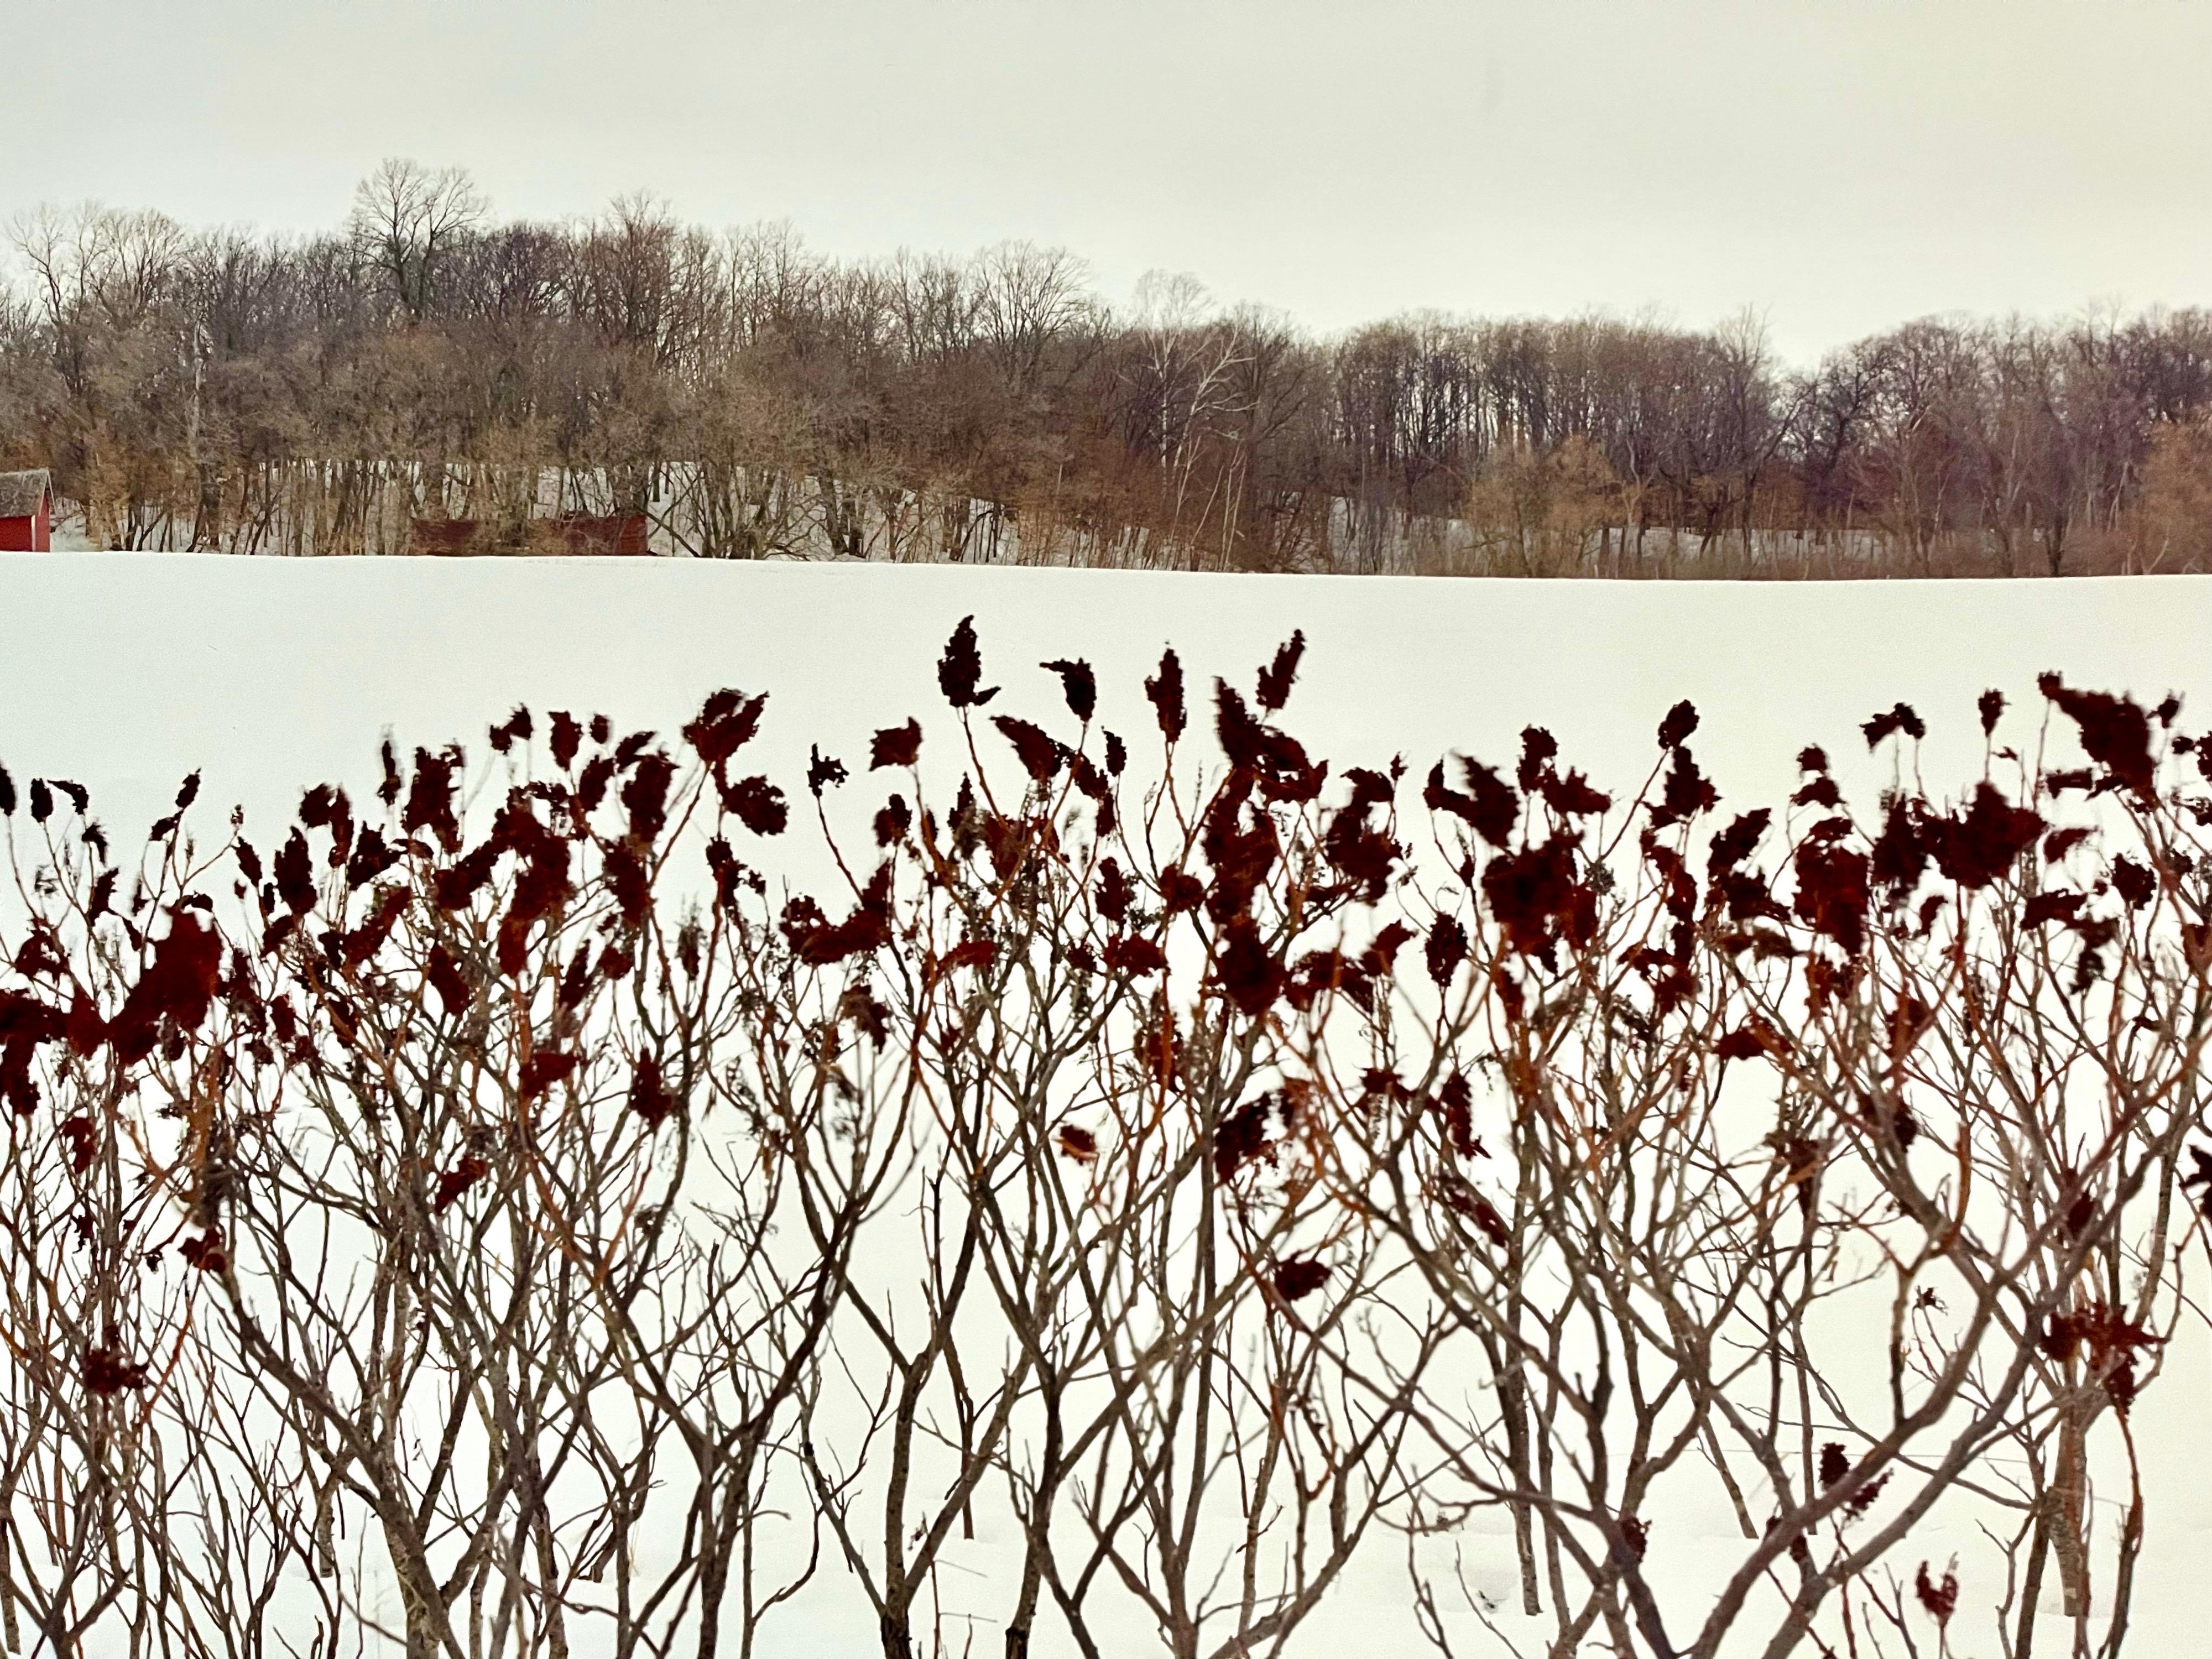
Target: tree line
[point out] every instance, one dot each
(1153, 1179)
(228, 391)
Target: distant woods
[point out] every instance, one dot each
(251, 393)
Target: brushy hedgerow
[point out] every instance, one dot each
(489, 1232)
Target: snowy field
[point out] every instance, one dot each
(125, 671)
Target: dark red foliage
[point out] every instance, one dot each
(1899, 855)
(1863, 1499)
(2202, 1177)
(453, 1182)
(2059, 843)
(1457, 1099)
(430, 796)
(444, 974)
(822, 772)
(40, 953)
(628, 884)
(895, 745)
(1037, 753)
(758, 804)
(325, 807)
(1835, 1463)
(1688, 793)
(1733, 845)
(1249, 975)
(819, 943)
(1165, 691)
(1991, 704)
(1077, 1143)
(1939, 1600)
(1180, 891)
(645, 797)
(1682, 720)
(1491, 808)
(1276, 679)
(1539, 748)
(1078, 684)
(1635, 1536)
(1534, 896)
(1298, 1277)
(1134, 957)
(7, 794)
(295, 876)
(539, 891)
(1460, 1197)
(371, 859)
(2107, 1340)
(1831, 893)
(1275, 759)
(363, 943)
(1572, 796)
(1754, 1040)
(1359, 851)
(543, 1069)
(2049, 907)
(1446, 948)
(1240, 856)
(730, 876)
(649, 1096)
(1899, 718)
(2133, 882)
(1117, 754)
(893, 821)
(1981, 845)
(977, 953)
(2115, 732)
(455, 887)
(592, 786)
(1378, 958)
(726, 722)
(516, 725)
(206, 1253)
(105, 1372)
(568, 737)
(1242, 1138)
(960, 670)
(1115, 894)
(1821, 790)
(1321, 972)
(1369, 786)
(82, 1143)
(179, 986)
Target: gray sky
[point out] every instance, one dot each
(1843, 166)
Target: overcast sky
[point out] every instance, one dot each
(1842, 166)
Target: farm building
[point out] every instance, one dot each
(26, 512)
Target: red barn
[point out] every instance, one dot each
(26, 512)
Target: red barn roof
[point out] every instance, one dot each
(22, 493)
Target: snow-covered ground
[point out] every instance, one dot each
(129, 668)
(124, 671)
